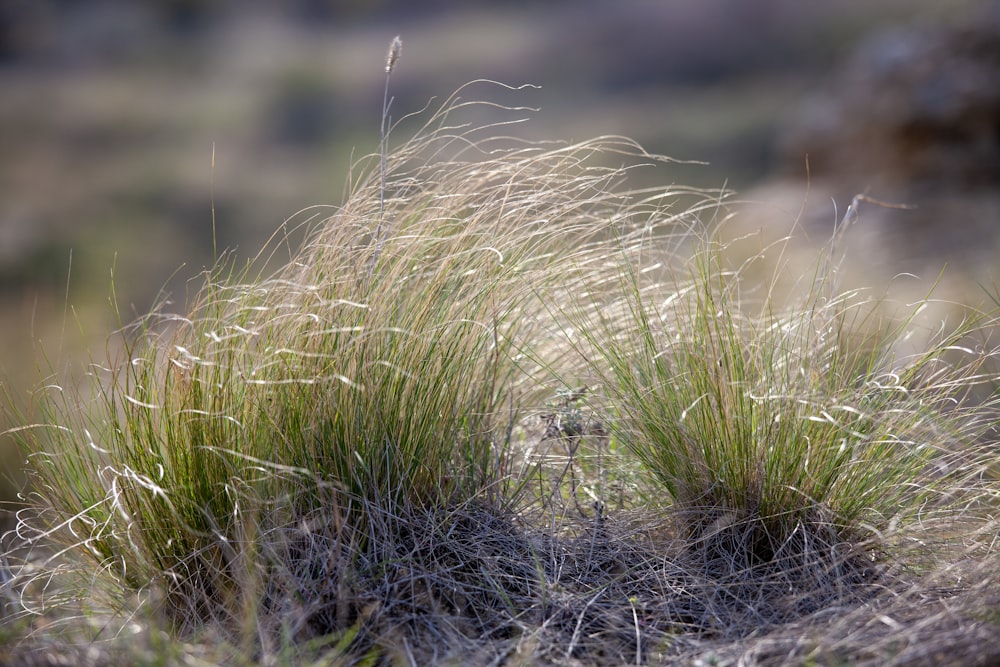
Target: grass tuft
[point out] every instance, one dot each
(743, 412)
(501, 408)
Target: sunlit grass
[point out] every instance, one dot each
(497, 405)
(809, 412)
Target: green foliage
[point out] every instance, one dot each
(328, 462)
(781, 416)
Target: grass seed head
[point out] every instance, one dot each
(395, 50)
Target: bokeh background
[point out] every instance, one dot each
(127, 127)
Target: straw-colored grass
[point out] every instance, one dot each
(740, 410)
(382, 453)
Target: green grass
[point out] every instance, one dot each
(380, 452)
(785, 416)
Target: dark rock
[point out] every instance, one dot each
(916, 109)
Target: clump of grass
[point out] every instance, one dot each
(375, 378)
(745, 411)
(351, 460)
(797, 449)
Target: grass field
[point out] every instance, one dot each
(503, 408)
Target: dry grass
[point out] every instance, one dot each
(381, 454)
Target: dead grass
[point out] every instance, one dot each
(386, 452)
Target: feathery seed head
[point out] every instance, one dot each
(394, 50)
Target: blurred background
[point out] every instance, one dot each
(126, 127)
